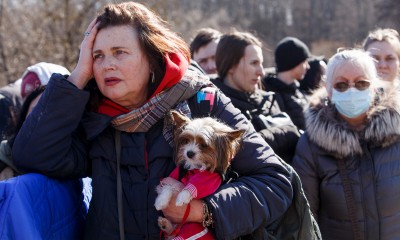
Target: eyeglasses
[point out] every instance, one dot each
(359, 85)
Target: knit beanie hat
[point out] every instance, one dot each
(39, 74)
(289, 53)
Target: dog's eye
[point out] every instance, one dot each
(203, 145)
(183, 141)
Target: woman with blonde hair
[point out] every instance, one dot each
(384, 46)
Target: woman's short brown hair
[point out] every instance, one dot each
(155, 37)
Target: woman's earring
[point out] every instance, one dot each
(152, 77)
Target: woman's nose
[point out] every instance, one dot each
(260, 71)
(382, 63)
(109, 64)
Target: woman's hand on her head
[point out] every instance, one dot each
(83, 71)
(175, 213)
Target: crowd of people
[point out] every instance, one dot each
(332, 121)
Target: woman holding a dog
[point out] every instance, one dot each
(112, 128)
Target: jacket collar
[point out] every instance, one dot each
(94, 123)
(244, 100)
(272, 83)
(230, 91)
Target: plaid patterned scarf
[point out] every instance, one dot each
(143, 118)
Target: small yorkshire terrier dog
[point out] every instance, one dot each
(204, 148)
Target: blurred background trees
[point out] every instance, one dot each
(32, 31)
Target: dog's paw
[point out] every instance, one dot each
(163, 198)
(160, 203)
(184, 197)
(165, 225)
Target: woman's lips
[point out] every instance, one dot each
(382, 74)
(111, 81)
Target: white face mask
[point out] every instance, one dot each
(352, 102)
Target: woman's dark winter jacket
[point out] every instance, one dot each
(289, 97)
(283, 138)
(372, 159)
(49, 143)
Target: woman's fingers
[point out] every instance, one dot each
(91, 31)
(175, 213)
(91, 25)
(83, 70)
(172, 212)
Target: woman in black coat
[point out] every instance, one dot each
(239, 64)
(140, 70)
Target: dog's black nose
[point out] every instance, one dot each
(190, 154)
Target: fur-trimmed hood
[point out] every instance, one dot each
(327, 130)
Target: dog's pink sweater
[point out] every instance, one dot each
(200, 184)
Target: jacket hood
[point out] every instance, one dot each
(39, 75)
(327, 130)
(176, 65)
(44, 70)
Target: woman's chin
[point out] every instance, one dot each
(384, 77)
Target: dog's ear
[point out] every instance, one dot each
(236, 134)
(179, 119)
(229, 144)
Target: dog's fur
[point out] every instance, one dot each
(204, 144)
